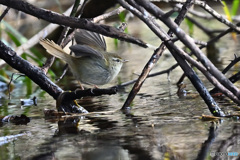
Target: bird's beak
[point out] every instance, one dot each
(124, 61)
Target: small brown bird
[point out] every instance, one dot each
(90, 63)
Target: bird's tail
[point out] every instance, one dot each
(55, 50)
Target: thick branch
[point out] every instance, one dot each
(69, 96)
(33, 72)
(70, 21)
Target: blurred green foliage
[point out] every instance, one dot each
(122, 18)
(13, 38)
(231, 13)
(190, 26)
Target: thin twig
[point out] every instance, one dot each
(210, 77)
(213, 40)
(208, 31)
(51, 59)
(234, 78)
(109, 14)
(188, 41)
(213, 107)
(149, 75)
(4, 13)
(11, 80)
(156, 55)
(35, 39)
(218, 16)
(210, 10)
(231, 64)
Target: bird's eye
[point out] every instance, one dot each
(116, 59)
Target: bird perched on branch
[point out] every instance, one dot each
(90, 63)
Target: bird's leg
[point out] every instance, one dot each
(81, 87)
(94, 87)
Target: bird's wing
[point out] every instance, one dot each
(83, 50)
(95, 40)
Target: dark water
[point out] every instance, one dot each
(159, 126)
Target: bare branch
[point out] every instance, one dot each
(4, 13)
(145, 16)
(109, 14)
(72, 22)
(33, 72)
(35, 39)
(188, 41)
(61, 38)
